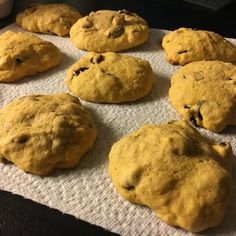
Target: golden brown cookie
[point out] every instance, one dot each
(110, 78)
(48, 18)
(109, 31)
(42, 132)
(186, 45)
(23, 54)
(184, 177)
(204, 93)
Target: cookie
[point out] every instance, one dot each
(48, 18)
(109, 31)
(23, 54)
(184, 177)
(186, 45)
(204, 93)
(42, 132)
(110, 78)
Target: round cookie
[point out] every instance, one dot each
(109, 31)
(204, 93)
(23, 54)
(184, 177)
(110, 78)
(186, 45)
(42, 132)
(48, 18)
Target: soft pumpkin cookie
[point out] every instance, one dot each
(109, 31)
(48, 18)
(186, 45)
(204, 93)
(110, 78)
(184, 177)
(23, 54)
(42, 132)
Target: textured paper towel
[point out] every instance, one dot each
(86, 191)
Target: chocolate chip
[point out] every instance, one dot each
(18, 61)
(199, 115)
(129, 188)
(193, 121)
(126, 12)
(184, 76)
(186, 106)
(106, 73)
(77, 72)
(223, 144)
(228, 78)
(183, 51)
(117, 31)
(97, 59)
(21, 139)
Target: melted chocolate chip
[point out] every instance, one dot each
(183, 51)
(186, 106)
(199, 115)
(193, 121)
(117, 31)
(18, 61)
(129, 188)
(78, 71)
(223, 144)
(97, 59)
(228, 78)
(21, 139)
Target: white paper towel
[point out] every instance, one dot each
(87, 191)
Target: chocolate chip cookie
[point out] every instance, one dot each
(42, 132)
(23, 54)
(186, 45)
(184, 177)
(204, 93)
(48, 18)
(110, 78)
(109, 31)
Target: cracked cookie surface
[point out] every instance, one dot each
(48, 18)
(204, 93)
(186, 45)
(110, 78)
(109, 31)
(184, 177)
(42, 132)
(23, 54)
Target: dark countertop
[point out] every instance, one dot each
(19, 216)
(164, 14)
(22, 217)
